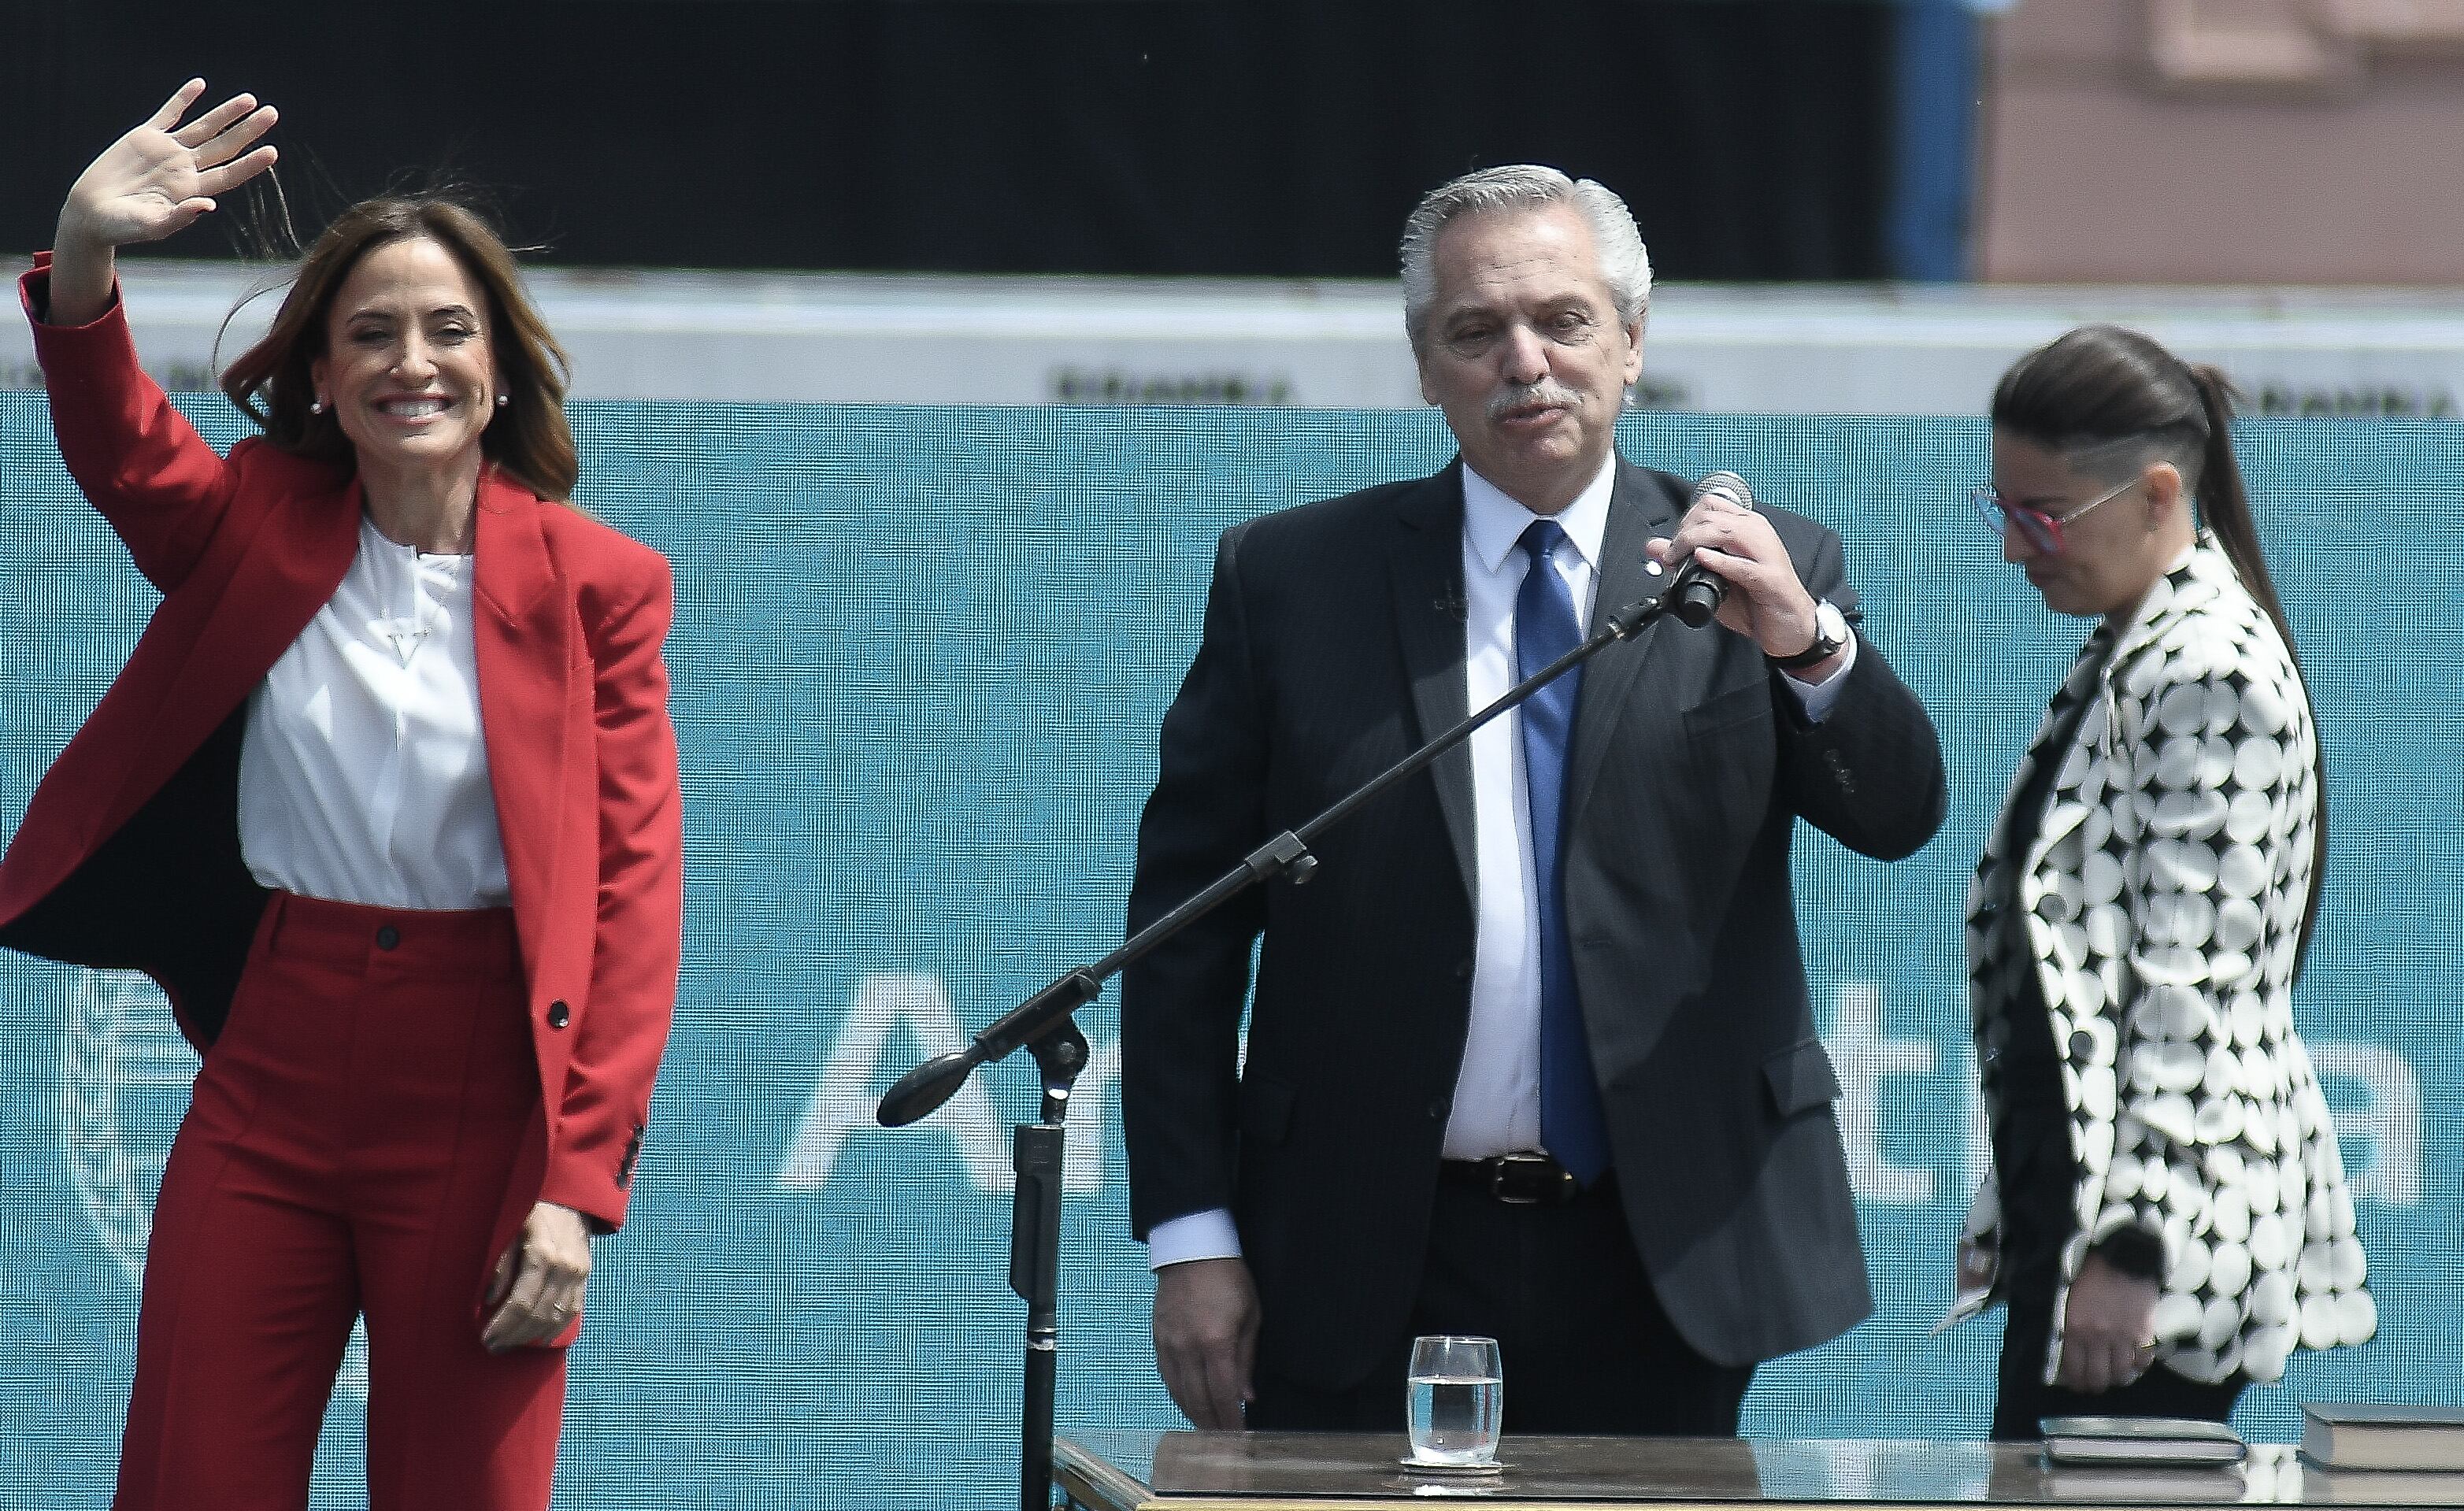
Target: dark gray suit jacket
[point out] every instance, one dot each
(1334, 643)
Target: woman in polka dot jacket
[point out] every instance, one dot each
(2167, 1216)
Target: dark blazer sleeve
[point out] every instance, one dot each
(1180, 1006)
(1870, 775)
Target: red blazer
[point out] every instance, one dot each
(129, 853)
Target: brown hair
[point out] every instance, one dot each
(528, 438)
(2101, 387)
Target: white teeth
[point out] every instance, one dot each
(413, 409)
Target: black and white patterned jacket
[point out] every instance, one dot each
(2160, 907)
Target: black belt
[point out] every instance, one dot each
(1518, 1181)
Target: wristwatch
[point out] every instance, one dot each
(1830, 638)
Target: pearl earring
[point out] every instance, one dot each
(503, 399)
(317, 405)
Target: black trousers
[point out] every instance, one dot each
(1585, 1346)
(2022, 1399)
(2031, 1156)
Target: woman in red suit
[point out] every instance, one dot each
(386, 799)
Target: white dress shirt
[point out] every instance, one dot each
(1496, 1107)
(364, 770)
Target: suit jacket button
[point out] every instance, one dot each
(558, 1015)
(388, 936)
(1437, 1110)
(1463, 971)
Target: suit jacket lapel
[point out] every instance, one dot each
(1425, 574)
(519, 629)
(1638, 511)
(2157, 613)
(2075, 757)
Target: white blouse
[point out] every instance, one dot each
(363, 771)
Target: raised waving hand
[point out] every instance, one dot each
(147, 184)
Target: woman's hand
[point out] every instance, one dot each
(2108, 1329)
(148, 184)
(538, 1280)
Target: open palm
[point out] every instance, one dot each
(160, 176)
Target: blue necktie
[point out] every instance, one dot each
(1573, 1124)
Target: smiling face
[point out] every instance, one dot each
(2111, 555)
(409, 371)
(1524, 351)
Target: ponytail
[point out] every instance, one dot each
(2224, 504)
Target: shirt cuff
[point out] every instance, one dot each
(1818, 698)
(1200, 1235)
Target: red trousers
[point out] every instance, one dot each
(346, 1151)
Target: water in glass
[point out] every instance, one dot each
(1455, 1400)
(1455, 1417)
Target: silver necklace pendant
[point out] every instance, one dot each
(403, 635)
(405, 632)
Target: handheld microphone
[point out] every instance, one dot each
(1696, 591)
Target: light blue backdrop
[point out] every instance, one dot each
(919, 660)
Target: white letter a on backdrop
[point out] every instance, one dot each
(843, 1102)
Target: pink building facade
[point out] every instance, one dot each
(2316, 142)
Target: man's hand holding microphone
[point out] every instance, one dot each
(1728, 554)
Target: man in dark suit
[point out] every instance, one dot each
(1532, 1055)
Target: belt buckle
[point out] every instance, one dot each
(1526, 1193)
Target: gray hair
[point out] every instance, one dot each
(1624, 264)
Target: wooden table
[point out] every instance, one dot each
(1184, 1471)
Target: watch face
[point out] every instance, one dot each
(1831, 623)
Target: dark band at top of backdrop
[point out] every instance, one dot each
(1282, 138)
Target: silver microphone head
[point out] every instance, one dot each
(1725, 485)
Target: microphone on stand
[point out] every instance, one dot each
(1696, 591)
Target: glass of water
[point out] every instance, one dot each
(1455, 1400)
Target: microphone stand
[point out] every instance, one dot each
(1043, 1026)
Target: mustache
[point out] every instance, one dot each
(1547, 391)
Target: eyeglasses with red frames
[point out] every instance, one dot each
(2043, 532)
